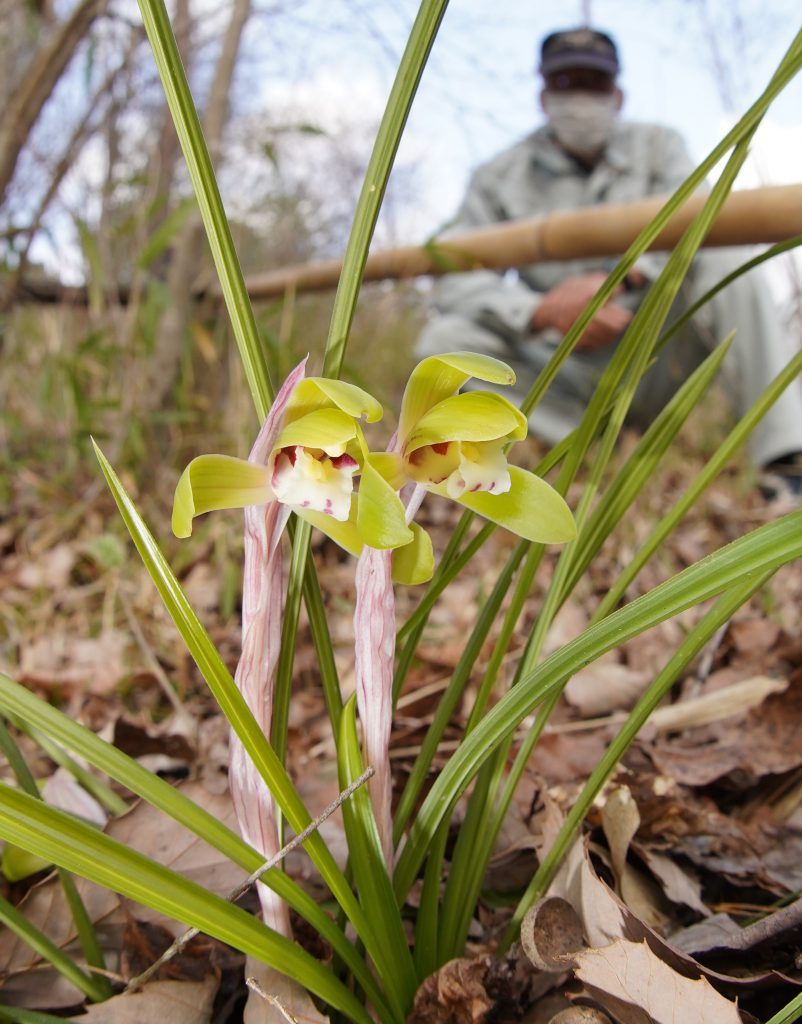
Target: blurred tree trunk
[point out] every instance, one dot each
(186, 260)
(38, 82)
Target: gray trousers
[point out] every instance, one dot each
(760, 350)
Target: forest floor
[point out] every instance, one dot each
(697, 838)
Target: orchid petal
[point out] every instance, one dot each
(323, 392)
(328, 429)
(414, 562)
(391, 466)
(345, 534)
(432, 464)
(482, 467)
(439, 377)
(473, 416)
(381, 517)
(217, 481)
(531, 508)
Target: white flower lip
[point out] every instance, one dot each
(482, 467)
(309, 478)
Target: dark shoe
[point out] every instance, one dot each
(781, 481)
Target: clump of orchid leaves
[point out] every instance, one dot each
(311, 457)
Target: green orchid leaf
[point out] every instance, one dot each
(367, 861)
(473, 416)
(84, 850)
(345, 534)
(380, 513)
(414, 562)
(439, 377)
(329, 429)
(531, 508)
(213, 482)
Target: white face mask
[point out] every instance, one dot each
(582, 121)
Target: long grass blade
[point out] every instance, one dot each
(85, 851)
(760, 551)
(16, 700)
(83, 924)
(201, 171)
(48, 950)
(699, 636)
(369, 869)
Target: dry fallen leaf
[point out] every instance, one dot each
(620, 819)
(51, 569)
(677, 883)
(762, 742)
(627, 979)
(286, 1000)
(62, 790)
(605, 686)
(89, 664)
(179, 1002)
(580, 1015)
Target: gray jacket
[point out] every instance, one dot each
(536, 176)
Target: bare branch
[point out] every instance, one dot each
(38, 83)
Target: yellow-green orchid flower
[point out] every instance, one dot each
(305, 458)
(455, 445)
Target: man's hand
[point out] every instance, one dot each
(561, 306)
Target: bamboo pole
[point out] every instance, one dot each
(748, 217)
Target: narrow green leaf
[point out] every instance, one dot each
(693, 644)
(48, 950)
(165, 233)
(760, 551)
(714, 465)
(453, 692)
(83, 850)
(18, 701)
(789, 1013)
(367, 863)
(185, 118)
(385, 147)
(628, 483)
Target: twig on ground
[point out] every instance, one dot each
(708, 657)
(150, 656)
(254, 986)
